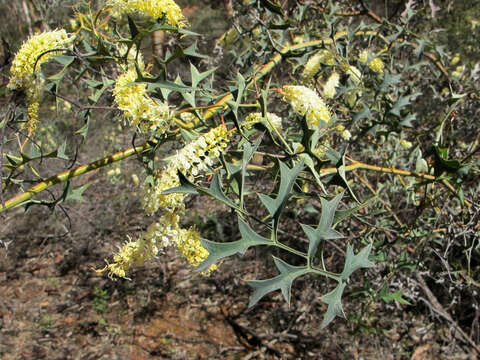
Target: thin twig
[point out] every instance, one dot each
(438, 308)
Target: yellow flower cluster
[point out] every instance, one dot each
(188, 117)
(306, 102)
(132, 253)
(312, 66)
(375, 64)
(26, 64)
(34, 52)
(322, 147)
(148, 114)
(353, 72)
(156, 9)
(195, 157)
(329, 88)
(134, 56)
(189, 245)
(165, 232)
(271, 120)
(405, 144)
(344, 133)
(158, 235)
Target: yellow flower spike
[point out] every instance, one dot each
(405, 144)
(142, 111)
(194, 158)
(455, 60)
(271, 118)
(189, 245)
(312, 66)
(363, 56)
(159, 235)
(156, 9)
(33, 53)
(306, 102)
(131, 253)
(354, 74)
(27, 63)
(330, 86)
(376, 64)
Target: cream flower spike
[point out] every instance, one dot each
(142, 111)
(353, 72)
(194, 158)
(330, 86)
(34, 52)
(156, 9)
(312, 66)
(306, 102)
(189, 245)
(26, 64)
(376, 64)
(271, 118)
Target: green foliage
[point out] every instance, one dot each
(100, 300)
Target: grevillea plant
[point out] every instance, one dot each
(314, 93)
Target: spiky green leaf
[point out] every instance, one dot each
(219, 251)
(354, 262)
(334, 301)
(288, 274)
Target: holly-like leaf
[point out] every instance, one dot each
(364, 114)
(192, 50)
(216, 192)
(341, 178)
(354, 262)
(64, 60)
(70, 194)
(334, 301)
(324, 229)
(288, 274)
(163, 84)
(401, 103)
(133, 28)
(442, 163)
(186, 186)
(197, 76)
(307, 159)
(219, 251)
(396, 296)
(389, 80)
(106, 84)
(288, 177)
(341, 215)
(238, 92)
(248, 151)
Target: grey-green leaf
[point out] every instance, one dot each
(219, 251)
(334, 301)
(341, 215)
(186, 187)
(288, 176)
(248, 234)
(354, 262)
(328, 212)
(216, 192)
(74, 194)
(288, 274)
